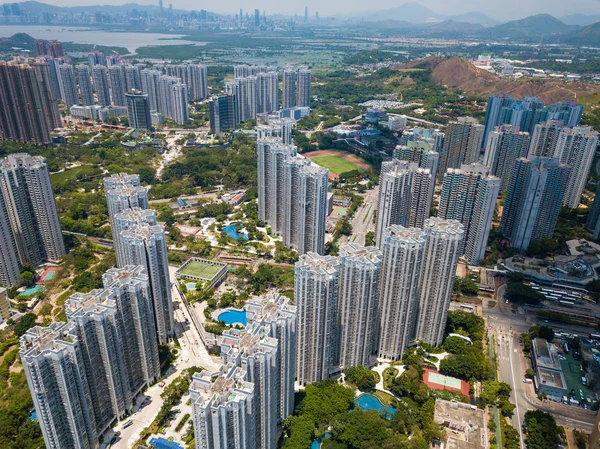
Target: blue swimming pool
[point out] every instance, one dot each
(316, 444)
(34, 290)
(191, 285)
(33, 416)
(233, 316)
(370, 402)
(232, 232)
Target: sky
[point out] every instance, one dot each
(497, 9)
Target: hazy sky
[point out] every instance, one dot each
(497, 9)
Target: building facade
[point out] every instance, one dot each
(462, 143)
(504, 145)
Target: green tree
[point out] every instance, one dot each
(26, 322)
(360, 376)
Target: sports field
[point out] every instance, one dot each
(337, 161)
(201, 269)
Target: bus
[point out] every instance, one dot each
(467, 307)
(589, 299)
(566, 303)
(595, 337)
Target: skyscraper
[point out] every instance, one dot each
(440, 258)
(272, 153)
(29, 200)
(28, 105)
(223, 409)
(268, 92)
(41, 47)
(118, 84)
(462, 143)
(85, 85)
(149, 79)
(290, 80)
(576, 148)
(357, 307)
(405, 191)
(55, 49)
(123, 192)
(245, 91)
(96, 58)
(145, 245)
(505, 144)
(303, 95)
(180, 103)
(281, 127)
(132, 77)
(222, 114)
(68, 84)
(10, 265)
(422, 152)
(535, 194)
(593, 218)
(53, 363)
(399, 290)
(316, 296)
(469, 196)
(138, 110)
(304, 188)
(256, 17)
(127, 219)
(101, 84)
(4, 305)
(544, 139)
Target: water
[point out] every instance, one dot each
(33, 290)
(233, 316)
(33, 416)
(316, 444)
(232, 232)
(191, 285)
(108, 38)
(370, 402)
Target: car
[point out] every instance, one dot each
(162, 384)
(128, 423)
(113, 440)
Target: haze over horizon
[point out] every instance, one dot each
(501, 10)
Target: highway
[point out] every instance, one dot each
(506, 327)
(363, 218)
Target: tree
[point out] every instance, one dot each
(455, 345)
(541, 332)
(542, 431)
(27, 277)
(26, 322)
(370, 238)
(521, 293)
(361, 376)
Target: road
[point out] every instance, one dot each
(506, 328)
(363, 218)
(193, 353)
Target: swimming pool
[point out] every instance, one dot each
(33, 416)
(34, 290)
(316, 444)
(232, 232)
(191, 285)
(370, 402)
(233, 316)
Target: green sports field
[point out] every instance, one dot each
(335, 164)
(201, 270)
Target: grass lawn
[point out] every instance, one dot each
(385, 398)
(67, 175)
(335, 164)
(389, 374)
(202, 270)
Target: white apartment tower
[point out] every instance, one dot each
(100, 79)
(303, 95)
(145, 245)
(268, 92)
(180, 103)
(405, 191)
(290, 81)
(505, 144)
(440, 258)
(462, 143)
(118, 84)
(469, 195)
(316, 296)
(402, 250)
(124, 191)
(85, 85)
(357, 307)
(305, 187)
(68, 85)
(10, 265)
(29, 202)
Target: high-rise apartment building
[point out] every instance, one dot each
(53, 362)
(422, 152)
(357, 307)
(85, 85)
(10, 264)
(316, 297)
(55, 49)
(223, 409)
(272, 153)
(118, 84)
(138, 109)
(100, 79)
(149, 79)
(179, 95)
(132, 77)
(505, 144)
(124, 191)
(277, 127)
(405, 192)
(85, 375)
(267, 92)
(544, 140)
(28, 103)
(469, 196)
(96, 58)
(245, 92)
(438, 270)
(535, 194)
(4, 306)
(41, 47)
(68, 85)
(145, 245)
(29, 201)
(303, 94)
(305, 186)
(462, 143)
(290, 81)
(275, 313)
(576, 148)
(402, 250)
(222, 114)
(125, 220)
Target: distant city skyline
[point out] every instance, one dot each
(501, 10)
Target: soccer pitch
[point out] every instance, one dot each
(201, 269)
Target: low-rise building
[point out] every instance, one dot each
(465, 424)
(549, 378)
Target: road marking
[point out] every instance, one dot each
(512, 373)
